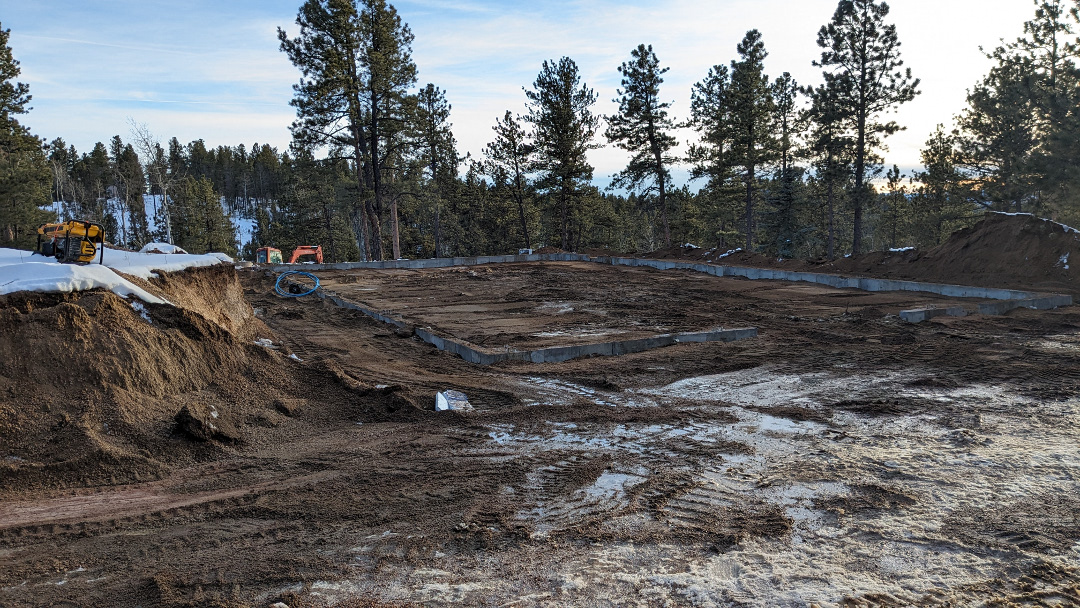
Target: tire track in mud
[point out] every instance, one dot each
(131, 502)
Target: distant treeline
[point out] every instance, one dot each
(374, 172)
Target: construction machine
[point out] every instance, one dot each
(268, 255)
(272, 255)
(315, 250)
(72, 242)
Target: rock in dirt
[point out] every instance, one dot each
(204, 423)
(289, 407)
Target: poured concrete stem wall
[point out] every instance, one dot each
(1037, 300)
(554, 354)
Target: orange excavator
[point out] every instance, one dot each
(270, 255)
(315, 250)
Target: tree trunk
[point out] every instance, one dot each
(397, 233)
(750, 208)
(663, 197)
(438, 229)
(860, 174)
(565, 195)
(829, 196)
(520, 196)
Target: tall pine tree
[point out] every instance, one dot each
(560, 111)
(24, 171)
(643, 128)
(862, 51)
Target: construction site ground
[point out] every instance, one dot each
(842, 457)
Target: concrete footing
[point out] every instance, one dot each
(1045, 302)
(1037, 300)
(918, 315)
(554, 354)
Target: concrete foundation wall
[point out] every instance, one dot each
(554, 354)
(832, 280)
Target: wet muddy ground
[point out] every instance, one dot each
(843, 457)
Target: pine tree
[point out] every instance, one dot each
(711, 157)
(895, 210)
(831, 146)
(942, 203)
(642, 127)
(356, 65)
(563, 130)
(201, 223)
(508, 160)
(750, 112)
(999, 135)
(24, 171)
(437, 150)
(862, 52)
(782, 226)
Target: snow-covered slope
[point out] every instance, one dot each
(27, 271)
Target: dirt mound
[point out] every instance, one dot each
(97, 389)
(684, 252)
(1006, 250)
(1002, 250)
(549, 250)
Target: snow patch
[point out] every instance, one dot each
(26, 271)
(901, 249)
(161, 248)
(139, 308)
(1066, 227)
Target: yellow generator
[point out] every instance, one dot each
(72, 242)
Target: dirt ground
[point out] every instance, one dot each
(557, 304)
(843, 457)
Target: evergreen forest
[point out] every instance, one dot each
(774, 166)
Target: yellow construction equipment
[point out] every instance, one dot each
(72, 242)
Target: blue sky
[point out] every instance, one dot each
(212, 70)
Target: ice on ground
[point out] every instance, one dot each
(1064, 261)
(27, 271)
(901, 249)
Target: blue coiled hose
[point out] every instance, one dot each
(285, 294)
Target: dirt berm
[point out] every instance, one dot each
(1001, 250)
(96, 389)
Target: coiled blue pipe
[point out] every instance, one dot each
(285, 294)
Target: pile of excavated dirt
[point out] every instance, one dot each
(96, 389)
(1001, 250)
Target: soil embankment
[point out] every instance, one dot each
(96, 389)
(1001, 250)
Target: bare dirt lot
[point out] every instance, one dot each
(843, 457)
(563, 303)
